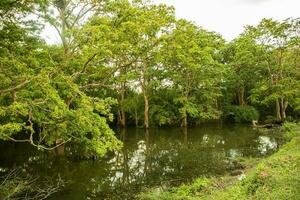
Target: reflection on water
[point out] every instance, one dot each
(266, 144)
(234, 153)
(158, 157)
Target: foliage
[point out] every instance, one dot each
(190, 56)
(242, 71)
(39, 99)
(185, 191)
(279, 63)
(163, 111)
(242, 113)
(133, 61)
(291, 130)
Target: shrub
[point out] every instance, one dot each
(191, 189)
(242, 114)
(290, 130)
(270, 119)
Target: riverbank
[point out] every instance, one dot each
(276, 177)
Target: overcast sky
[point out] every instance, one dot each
(226, 17)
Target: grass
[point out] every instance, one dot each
(274, 178)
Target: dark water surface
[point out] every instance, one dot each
(158, 157)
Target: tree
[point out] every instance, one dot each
(132, 33)
(67, 15)
(118, 29)
(154, 22)
(191, 55)
(34, 96)
(242, 57)
(280, 82)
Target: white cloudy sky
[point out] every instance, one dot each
(226, 17)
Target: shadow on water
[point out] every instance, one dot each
(150, 158)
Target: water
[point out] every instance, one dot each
(154, 158)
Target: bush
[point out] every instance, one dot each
(191, 189)
(291, 130)
(242, 114)
(270, 119)
(185, 191)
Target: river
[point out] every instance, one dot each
(163, 157)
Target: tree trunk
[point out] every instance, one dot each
(122, 118)
(184, 120)
(69, 101)
(278, 114)
(146, 111)
(14, 95)
(60, 150)
(63, 34)
(241, 96)
(123, 134)
(283, 106)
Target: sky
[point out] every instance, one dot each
(226, 17)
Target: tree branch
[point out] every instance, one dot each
(96, 85)
(16, 87)
(76, 75)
